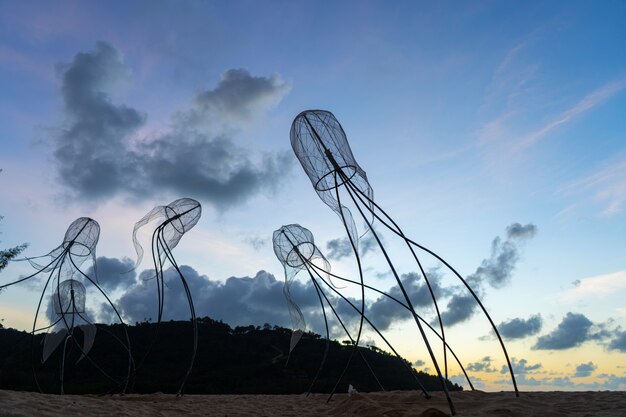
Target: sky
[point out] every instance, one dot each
(491, 131)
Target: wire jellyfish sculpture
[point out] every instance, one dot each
(295, 248)
(175, 219)
(321, 146)
(64, 275)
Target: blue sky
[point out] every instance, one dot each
(467, 118)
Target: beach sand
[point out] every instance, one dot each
(392, 404)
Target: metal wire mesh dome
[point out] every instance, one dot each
(315, 135)
(294, 245)
(82, 236)
(69, 298)
(321, 146)
(183, 214)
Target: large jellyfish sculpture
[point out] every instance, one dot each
(63, 278)
(295, 248)
(174, 220)
(321, 146)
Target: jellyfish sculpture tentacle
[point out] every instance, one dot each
(295, 248)
(321, 292)
(175, 219)
(321, 146)
(403, 305)
(64, 272)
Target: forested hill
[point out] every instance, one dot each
(243, 360)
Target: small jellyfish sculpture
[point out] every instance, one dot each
(321, 146)
(63, 269)
(68, 303)
(174, 220)
(295, 248)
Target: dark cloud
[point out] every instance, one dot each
(238, 96)
(341, 248)
(460, 308)
(585, 369)
(419, 363)
(498, 268)
(520, 367)
(98, 155)
(113, 273)
(237, 301)
(619, 342)
(484, 365)
(385, 311)
(519, 328)
(338, 248)
(495, 271)
(91, 151)
(574, 330)
(368, 243)
(517, 231)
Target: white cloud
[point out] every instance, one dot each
(593, 99)
(599, 286)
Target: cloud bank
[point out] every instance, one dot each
(519, 328)
(574, 330)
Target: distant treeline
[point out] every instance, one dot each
(243, 360)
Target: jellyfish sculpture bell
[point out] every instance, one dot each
(63, 269)
(175, 219)
(82, 237)
(321, 146)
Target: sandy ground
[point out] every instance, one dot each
(393, 404)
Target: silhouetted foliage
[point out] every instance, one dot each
(240, 360)
(7, 254)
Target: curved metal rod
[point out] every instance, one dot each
(409, 303)
(369, 287)
(192, 310)
(59, 261)
(426, 394)
(454, 271)
(317, 374)
(67, 338)
(430, 289)
(119, 317)
(358, 261)
(345, 329)
(157, 261)
(319, 290)
(32, 275)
